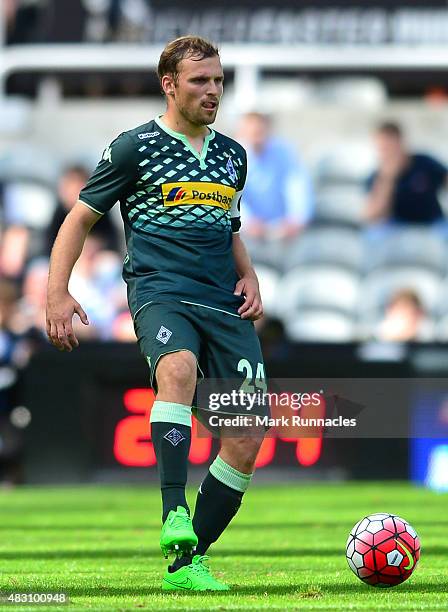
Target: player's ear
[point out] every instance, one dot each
(168, 84)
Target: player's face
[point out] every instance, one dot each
(198, 89)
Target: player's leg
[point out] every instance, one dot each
(171, 437)
(221, 492)
(232, 352)
(176, 382)
(171, 346)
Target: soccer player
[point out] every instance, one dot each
(192, 291)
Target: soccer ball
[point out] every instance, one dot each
(383, 550)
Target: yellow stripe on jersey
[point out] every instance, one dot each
(197, 193)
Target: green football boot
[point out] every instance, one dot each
(194, 577)
(177, 534)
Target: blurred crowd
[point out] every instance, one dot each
(375, 272)
(24, 256)
(329, 271)
(26, 238)
(34, 21)
(317, 264)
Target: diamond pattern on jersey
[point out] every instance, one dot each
(170, 160)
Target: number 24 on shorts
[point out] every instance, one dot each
(249, 385)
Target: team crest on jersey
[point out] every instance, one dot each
(231, 169)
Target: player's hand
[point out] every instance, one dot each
(60, 311)
(252, 308)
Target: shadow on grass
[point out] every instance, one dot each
(141, 591)
(338, 589)
(132, 553)
(316, 524)
(408, 588)
(314, 591)
(279, 526)
(113, 527)
(153, 553)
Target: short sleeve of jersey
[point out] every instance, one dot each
(113, 177)
(235, 216)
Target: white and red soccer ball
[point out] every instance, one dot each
(383, 550)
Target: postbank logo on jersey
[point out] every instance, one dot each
(197, 194)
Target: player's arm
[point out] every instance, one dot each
(61, 306)
(111, 180)
(248, 284)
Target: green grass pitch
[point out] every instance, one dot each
(285, 549)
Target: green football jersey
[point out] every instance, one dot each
(179, 208)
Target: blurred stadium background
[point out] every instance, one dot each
(75, 73)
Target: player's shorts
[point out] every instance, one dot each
(225, 347)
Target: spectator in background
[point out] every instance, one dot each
(96, 277)
(70, 184)
(14, 355)
(123, 327)
(27, 233)
(405, 319)
(14, 247)
(278, 198)
(30, 315)
(97, 280)
(273, 340)
(12, 349)
(404, 188)
(22, 20)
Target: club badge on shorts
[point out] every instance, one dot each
(164, 334)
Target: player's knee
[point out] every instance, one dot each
(243, 452)
(176, 370)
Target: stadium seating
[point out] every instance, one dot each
(29, 162)
(441, 328)
(364, 93)
(409, 246)
(320, 325)
(28, 203)
(339, 202)
(348, 161)
(340, 172)
(270, 253)
(319, 286)
(327, 245)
